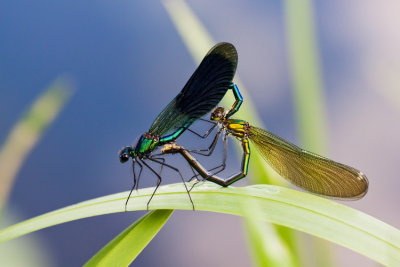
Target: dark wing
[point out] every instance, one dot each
(202, 92)
(307, 170)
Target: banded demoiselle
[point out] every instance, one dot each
(204, 90)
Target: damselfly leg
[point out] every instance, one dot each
(135, 180)
(174, 169)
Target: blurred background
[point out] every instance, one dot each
(125, 60)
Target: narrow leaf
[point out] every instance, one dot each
(124, 248)
(298, 210)
(28, 131)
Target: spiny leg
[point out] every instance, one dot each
(225, 156)
(162, 165)
(222, 166)
(134, 184)
(207, 152)
(177, 170)
(207, 133)
(140, 174)
(158, 181)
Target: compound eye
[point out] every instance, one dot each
(217, 114)
(123, 158)
(124, 154)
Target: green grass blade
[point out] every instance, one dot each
(267, 246)
(124, 248)
(28, 131)
(298, 210)
(306, 76)
(308, 92)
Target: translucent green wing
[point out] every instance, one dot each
(307, 170)
(202, 92)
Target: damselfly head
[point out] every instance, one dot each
(125, 154)
(218, 114)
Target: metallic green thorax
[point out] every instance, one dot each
(145, 145)
(148, 142)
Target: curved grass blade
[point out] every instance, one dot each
(204, 90)
(298, 210)
(306, 74)
(308, 92)
(124, 248)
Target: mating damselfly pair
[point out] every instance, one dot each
(201, 94)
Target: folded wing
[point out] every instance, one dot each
(204, 90)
